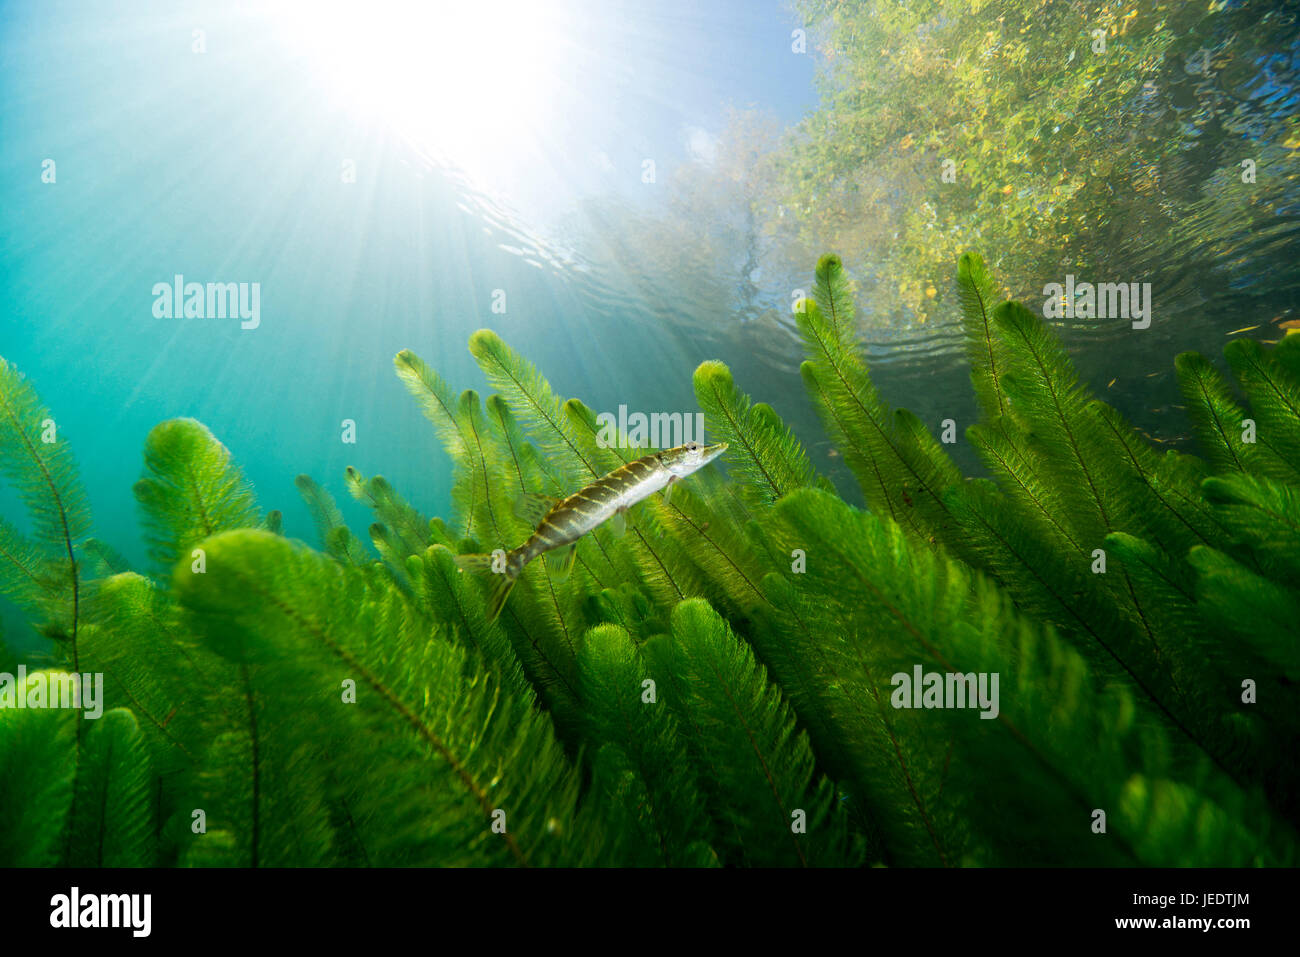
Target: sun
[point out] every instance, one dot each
(461, 81)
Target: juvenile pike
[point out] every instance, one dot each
(563, 522)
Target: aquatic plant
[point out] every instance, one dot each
(720, 684)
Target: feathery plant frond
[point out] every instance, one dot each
(1063, 747)
(538, 408)
(833, 297)
(640, 764)
(38, 758)
(191, 489)
(410, 529)
(400, 531)
(1070, 446)
(979, 296)
(1165, 490)
(30, 576)
(1248, 588)
(901, 468)
(1047, 398)
(152, 666)
(41, 573)
(1072, 477)
(474, 754)
(1274, 394)
(1264, 517)
(459, 425)
(114, 825)
(729, 682)
(435, 399)
(448, 592)
(1217, 417)
(335, 537)
(766, 456)
(1226, 589)
(102, 560)
(769, 806)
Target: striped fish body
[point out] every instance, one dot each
(585, 510)
(570, 519)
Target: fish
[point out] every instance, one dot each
(561, 522)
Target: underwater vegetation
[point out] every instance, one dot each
(715, 686)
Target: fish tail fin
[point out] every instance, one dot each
(498, 595)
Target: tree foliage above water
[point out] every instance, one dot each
(1122, 163)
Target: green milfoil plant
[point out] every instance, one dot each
(720, 684)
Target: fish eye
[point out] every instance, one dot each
(692, 446)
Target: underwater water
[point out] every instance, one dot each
(316, 317)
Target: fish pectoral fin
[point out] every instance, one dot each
(560, 561)
(618, 523)
(532, 507)
(668, 489)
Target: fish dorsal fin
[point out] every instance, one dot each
(560, 561)
(533, 506)
(618, 522)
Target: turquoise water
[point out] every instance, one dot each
(230, 164)
(226, 167)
